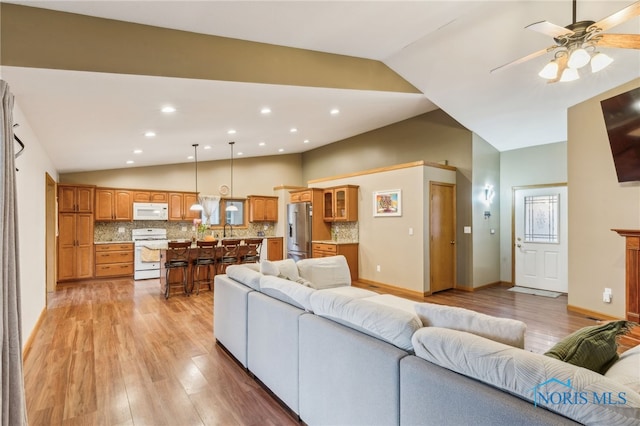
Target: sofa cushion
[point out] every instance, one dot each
(325, 272)
(627, 369)
(592, 347)
(350, 291)
(245, 275)
(580, 394)
(394, 302)
(287, 291)
(390, 324)
(504, 330)
(280, 268)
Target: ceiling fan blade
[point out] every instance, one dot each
(562, 65)
(622, 41)
(619, 17)
(525, 58)
(547, 28)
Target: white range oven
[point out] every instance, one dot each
(154, 239)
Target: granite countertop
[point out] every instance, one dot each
(113, 242)
(333, 242)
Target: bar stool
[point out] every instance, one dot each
(178, 259)
(253, 250)
(206, 258)
(230, 254)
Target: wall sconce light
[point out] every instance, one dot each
(489, 193)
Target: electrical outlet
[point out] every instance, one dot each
(410, 231)
(183, 229)
(377, 268)
(121, 230)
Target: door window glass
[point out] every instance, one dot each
(541, 219)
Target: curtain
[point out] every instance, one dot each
(12, 389)
(211, 206)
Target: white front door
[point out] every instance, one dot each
(541, 234)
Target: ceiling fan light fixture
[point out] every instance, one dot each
(549, 71)
(569, 74)
(600, 61)
(578, 59)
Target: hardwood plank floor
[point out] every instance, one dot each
(117, 353)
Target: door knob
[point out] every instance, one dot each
(518, 245)
(452, 242)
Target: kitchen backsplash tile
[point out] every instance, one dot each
(108, 231)
(345, 232)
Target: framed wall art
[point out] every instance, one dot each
(387, 203)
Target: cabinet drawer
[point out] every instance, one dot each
(323, 249)
(114, 257)
(114, 247)
(115, 269)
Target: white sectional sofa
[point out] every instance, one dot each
(341, 355)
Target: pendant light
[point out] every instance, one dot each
(196, 206)
(231, 207)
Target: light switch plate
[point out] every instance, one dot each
(467, 230)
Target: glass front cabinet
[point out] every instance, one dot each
(340, 204)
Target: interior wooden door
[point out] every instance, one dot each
(442, 236)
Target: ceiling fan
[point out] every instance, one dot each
(577, 44)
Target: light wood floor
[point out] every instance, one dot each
(117, 353)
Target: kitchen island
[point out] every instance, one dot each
(266, 252)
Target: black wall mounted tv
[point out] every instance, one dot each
(622, 118)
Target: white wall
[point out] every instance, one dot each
(486, 246)
(536, 165)
(597, 203)
(385, 241)
(32, 164)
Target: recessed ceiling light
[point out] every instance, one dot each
(137, 151)
(190, 157)
(207, 147)
(334, 111)
(281, 150)
(305, 141)
(150, 134)
(231, 132)
(130, 161)
(261, 144)
(241, 153)
(265, 110)
(168, 109)
(293, 130)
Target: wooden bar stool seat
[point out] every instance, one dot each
(206, 259)
(254, 246)
(230, 254)
(177, 259)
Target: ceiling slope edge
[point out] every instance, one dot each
(41, 38)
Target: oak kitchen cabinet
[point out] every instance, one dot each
(75, 198)
(114, 204)
(150, 197)
(275, 248)
(114, 259)
(75, 232)
(348, 250)
(263, 208)
(180, 206)
(340, 204)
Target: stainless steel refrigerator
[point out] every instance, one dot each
(299, 226)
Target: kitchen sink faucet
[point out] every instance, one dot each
(224, 230)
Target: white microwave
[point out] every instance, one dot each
(150, 211)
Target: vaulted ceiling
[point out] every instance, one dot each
(90, 88)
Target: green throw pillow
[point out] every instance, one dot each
(591, 347)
